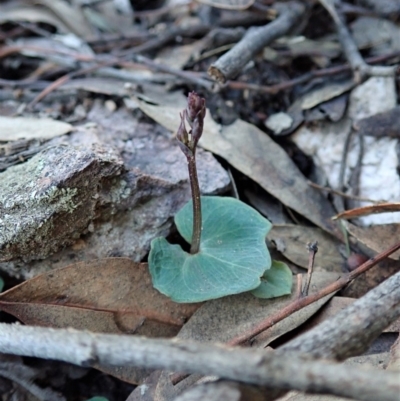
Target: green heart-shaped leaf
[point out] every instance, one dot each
(275, 282)
(232, 258)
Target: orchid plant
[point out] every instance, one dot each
(228, 253)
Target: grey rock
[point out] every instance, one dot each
(106, 190)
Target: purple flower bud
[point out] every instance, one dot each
(196, 107)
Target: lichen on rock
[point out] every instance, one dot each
(47, 202)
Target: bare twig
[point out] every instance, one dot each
(339, 202)
(342, 194)
(360, 68)
(299, 285)
(274, 89)
(231, 63)
(245, 365)
(312, 251)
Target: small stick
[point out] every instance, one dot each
(342, 194)
(299, 285)
(360, 68)
(312, 251)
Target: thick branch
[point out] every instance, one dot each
(245, 365)
(231, 63)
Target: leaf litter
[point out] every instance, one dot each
(112, 295)
(316, 110)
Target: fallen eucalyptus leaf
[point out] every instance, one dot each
(14, 128)
(368, 210)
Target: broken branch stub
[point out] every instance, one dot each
(232, 63)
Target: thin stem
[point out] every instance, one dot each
(312, 250)
(299, 285)
(194, 184)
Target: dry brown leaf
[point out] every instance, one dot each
(377, 238)
(112, 295)
(367, 210)
(115, 285)
(332, 110)
(292, 240)
(256, 155)
(221, 320)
